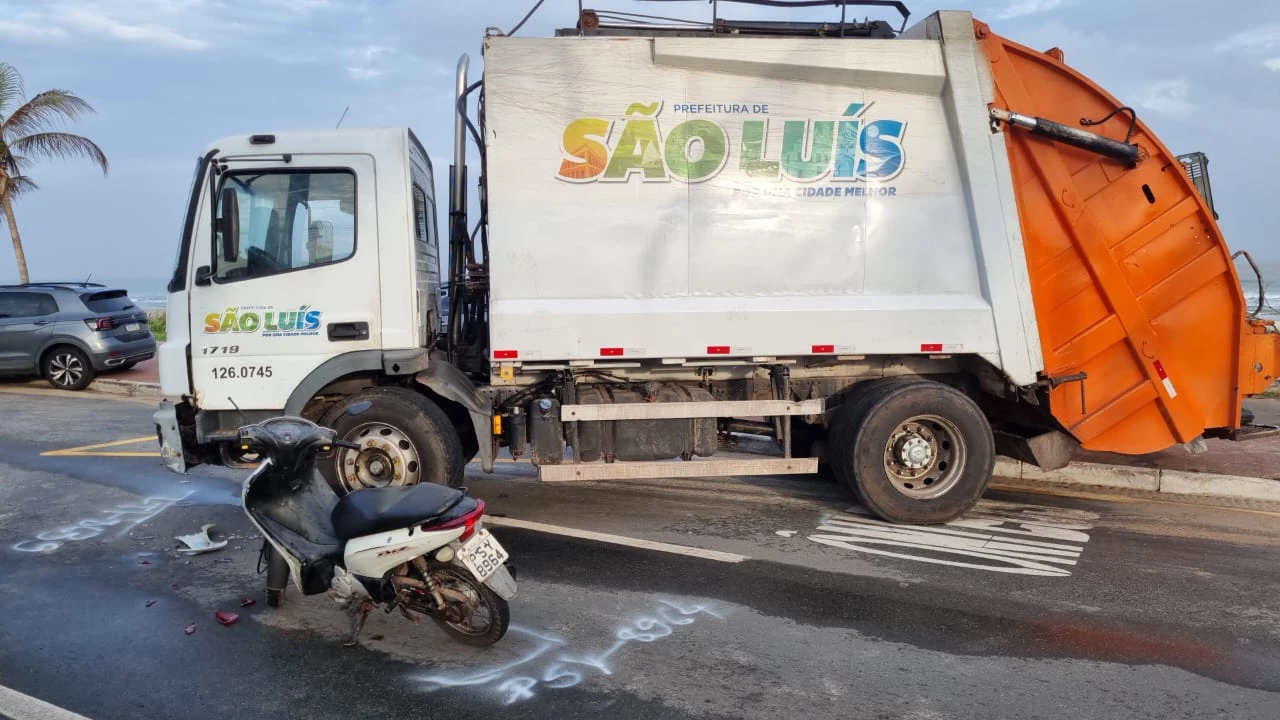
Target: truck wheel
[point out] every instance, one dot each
(916, 451)
(843, 425)
(405, 439)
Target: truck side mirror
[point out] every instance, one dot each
(229, 225)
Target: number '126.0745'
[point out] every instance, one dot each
(243, 372)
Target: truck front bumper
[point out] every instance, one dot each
(170, 437)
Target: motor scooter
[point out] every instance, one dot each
(421, 549)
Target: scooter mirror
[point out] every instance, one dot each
(358, 408)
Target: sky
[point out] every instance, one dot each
(167, 77)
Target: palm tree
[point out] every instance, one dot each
(29, 131)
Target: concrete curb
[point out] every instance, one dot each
(1172, 482)
(130, 388)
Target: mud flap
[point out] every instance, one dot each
(502, 583)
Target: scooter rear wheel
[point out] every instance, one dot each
(486, 615)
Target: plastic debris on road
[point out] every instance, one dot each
(226, 618)
(151, 602)
(189, 629)
(200, 542)
(247, 602)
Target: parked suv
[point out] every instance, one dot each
(70, 332)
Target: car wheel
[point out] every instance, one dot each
(67, 368)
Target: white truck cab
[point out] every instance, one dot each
(306, 258)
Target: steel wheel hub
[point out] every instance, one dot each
(924, 457)
(914, 452)
(66, 369)
(386, 458)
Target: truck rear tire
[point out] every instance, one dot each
(914, 451)
(406, 439)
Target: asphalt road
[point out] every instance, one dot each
(1033, 606)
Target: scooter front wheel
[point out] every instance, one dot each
(277, 575)
(481, 619)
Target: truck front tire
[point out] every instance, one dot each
(405, 439)
(915, 451)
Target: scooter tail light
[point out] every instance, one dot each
(468, 522)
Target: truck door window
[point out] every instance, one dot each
(290, 221)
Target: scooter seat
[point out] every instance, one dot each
(374, 510)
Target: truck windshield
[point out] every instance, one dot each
(290, 221)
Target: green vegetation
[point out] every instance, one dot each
(157, 323)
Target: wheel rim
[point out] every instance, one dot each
(924, 457)
(481, 615)
(387, 458)
(66, 369)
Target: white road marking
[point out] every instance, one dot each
(14, 704)
(616, 539)
(972, 541)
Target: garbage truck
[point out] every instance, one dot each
(720, 249)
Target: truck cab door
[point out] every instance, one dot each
(286, 277)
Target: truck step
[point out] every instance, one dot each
(676, 469)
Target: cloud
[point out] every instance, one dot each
(367, 63)
(90, 22)
(19, 30)
(1273, 64)
(1169, 97)
(1254, 40)
(167, 24)
(1019, 8)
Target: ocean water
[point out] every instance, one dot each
(1271, 287)
(149, 301)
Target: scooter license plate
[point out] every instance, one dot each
(482, 554)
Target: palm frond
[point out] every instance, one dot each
(12, 162)
(11, 90)
(43, 112)
(59, 145)
(19, 185)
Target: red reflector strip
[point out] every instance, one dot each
(931, 347)
(817, 349)
(506, 354)
(610, 352)
(1160, 370)
(717, 349)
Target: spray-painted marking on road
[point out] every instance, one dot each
(123, 517)
(553, 663)
(995, 536)
(100, 451)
